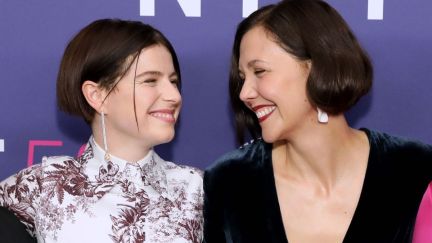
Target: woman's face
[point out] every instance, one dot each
(274, 86)
(157, 100)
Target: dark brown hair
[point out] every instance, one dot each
(341, 72)
(101, 53)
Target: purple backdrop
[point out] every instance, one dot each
(34, 33)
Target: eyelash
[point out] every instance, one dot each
(175, 81)
(152, 82)
(259, 71)
(149, 81)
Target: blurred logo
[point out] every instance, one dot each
(192, 8)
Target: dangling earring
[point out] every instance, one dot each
(322, 116)
(107, 156)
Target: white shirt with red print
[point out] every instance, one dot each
(91, 200)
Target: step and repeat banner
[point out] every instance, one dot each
(34, 33)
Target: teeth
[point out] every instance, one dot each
(164, 115)
(265, 111)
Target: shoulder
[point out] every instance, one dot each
(391, 145)
(250, 154)
(247, 159)
(182, 175)
(184, 184)
(22, 191)
(400, 156)
(181, 171)
(48, 161)
(35, 173)
(59, 163)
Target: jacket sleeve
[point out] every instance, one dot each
(20, 193)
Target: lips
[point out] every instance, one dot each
(263, 111)
(165, 115)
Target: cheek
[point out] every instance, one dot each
(145, 101)
(269, 90)
(119, 105)
(275, 90)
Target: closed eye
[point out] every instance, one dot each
(258, 72)
(150, 81)
(176, 82)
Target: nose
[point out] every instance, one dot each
(248, 91)
(171, 93)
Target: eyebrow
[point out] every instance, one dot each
(155, 73)
(253, 62)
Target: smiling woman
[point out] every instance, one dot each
(123, 78)
(296, 67)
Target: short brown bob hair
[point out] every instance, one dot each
(101, 53)
(309, 30)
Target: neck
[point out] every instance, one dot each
(119, 145)
(321, 154)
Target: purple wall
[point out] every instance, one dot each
(34, 33)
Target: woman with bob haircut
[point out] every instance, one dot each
(123, 78)
(308, 176)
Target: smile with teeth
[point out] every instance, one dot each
(164, 116)
(264, 113)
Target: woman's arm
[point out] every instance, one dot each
(19, 194)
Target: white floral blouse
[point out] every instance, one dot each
(89, 200)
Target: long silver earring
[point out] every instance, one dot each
(322, 116)
(107, 156)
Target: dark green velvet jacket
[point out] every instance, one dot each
(241, 203)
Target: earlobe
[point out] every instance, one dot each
(93, 94)
(308, 65)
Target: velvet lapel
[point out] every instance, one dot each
(356, 228)
(274, 219)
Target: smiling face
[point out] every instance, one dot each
(145, 114)
(274, 86)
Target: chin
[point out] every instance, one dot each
(269, 138)
(166, 137)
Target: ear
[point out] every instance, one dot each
(94, 94)
(309, 64)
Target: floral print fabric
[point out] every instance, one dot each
(90, 200)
